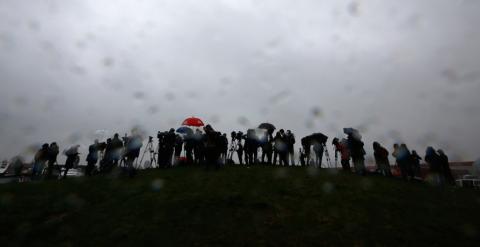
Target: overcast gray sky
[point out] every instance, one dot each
(406, 71)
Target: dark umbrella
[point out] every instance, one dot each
(267, 126)
(354, 132)
(319, 137)
(185, 130)
(306, 141)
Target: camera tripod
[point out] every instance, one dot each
(327, 156)
(151, 149)
(232, 150)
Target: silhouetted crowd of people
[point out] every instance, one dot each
(212, 149)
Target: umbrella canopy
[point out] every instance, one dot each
(305, 141)
(184, 130)
(319, 137)
(354, 132)
(267, 126)
(193, 121)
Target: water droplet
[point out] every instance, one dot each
(170, 96)
(73, 200)
(139, 95)
(34, 25)
(317, 112)
(108, 62)
(157, 184)
(312, 171)
(353, 8)
(280, 173)
(153, 109)
(328, 187)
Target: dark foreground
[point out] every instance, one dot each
(259, 206)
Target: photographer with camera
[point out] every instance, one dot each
(318, 150)
(92, 158)
(189, 146)
(306, 146)
(178, 148)
(162, 149)
(72, 159)
(280, 149)
(251, 147)
(342, 148)
(53, 152)
(290, 139)
(267, 149)
(133, 144)
(170, 139)
(357, 152)
(212, 149)
(117, 149)
(199, 147)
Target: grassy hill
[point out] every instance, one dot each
(236, 206)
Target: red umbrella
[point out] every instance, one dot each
(193, 121)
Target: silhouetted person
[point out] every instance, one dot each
(342, 148)
(178, 147)
(189, 146)
(267, 149)
(162, 149)
(416, 164)
(433, 161)
(357, 152)
(318, 150)
(106, 164)
(72, 159)
(117, 149)
(92, 158)
(381, 159)
(41, 157)
(199, 149)
(290, 138)
(170, 146)
(212, 144)
(53, 152)
(445, 168)
(306, 145)
(404, 161)
(133, 144)
(251, 147)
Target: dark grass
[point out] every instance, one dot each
(237, 206)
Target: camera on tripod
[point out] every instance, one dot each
(240, 136)
(161, 135)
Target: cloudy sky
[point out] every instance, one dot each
(401, 71)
